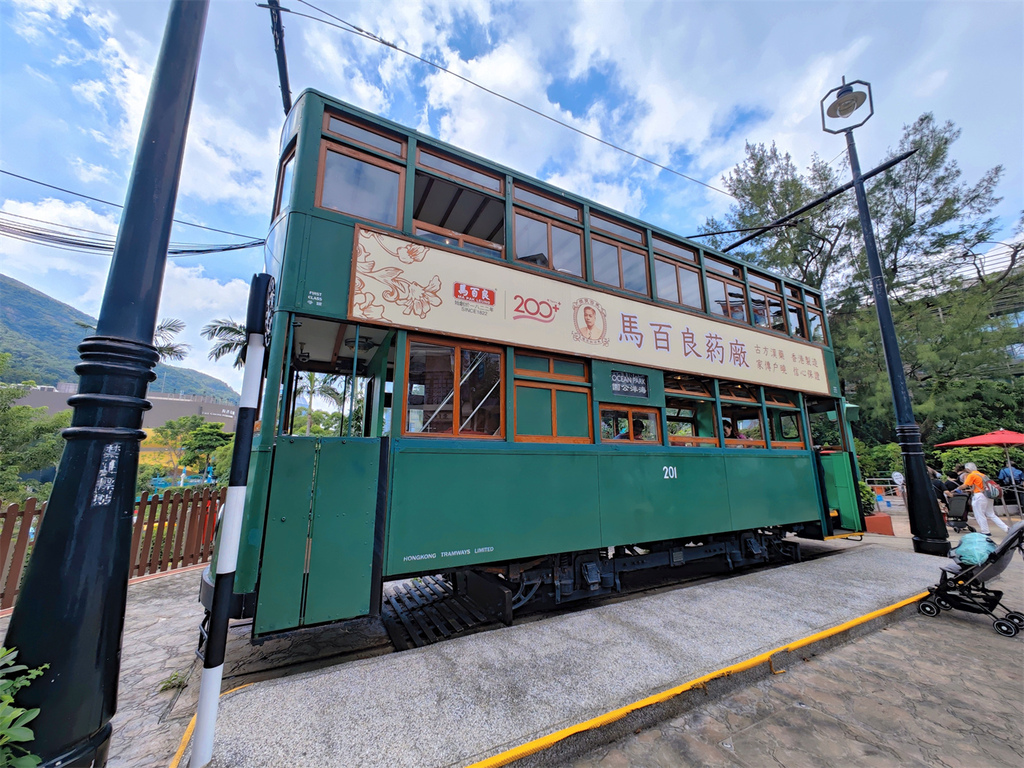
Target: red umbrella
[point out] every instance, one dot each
(1001, 437)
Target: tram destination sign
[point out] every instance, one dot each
(405, 284)
(630, 384)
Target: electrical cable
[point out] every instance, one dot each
(346, 26)
(116, 205)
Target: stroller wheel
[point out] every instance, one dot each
(943, 603)
(928, 608)
(1016, 618)
(1004, 627)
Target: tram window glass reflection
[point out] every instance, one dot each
(545, 244)
(365, 136)
(726, 299)
(284, 190)
(638, 425)
(797, 326)
(360, 186)
(441, 376)
(815, 326)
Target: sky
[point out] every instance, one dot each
(686, 84)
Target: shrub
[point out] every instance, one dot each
(14, 719)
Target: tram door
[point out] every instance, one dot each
(836, 465)
(318, 551)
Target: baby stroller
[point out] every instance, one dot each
(963, 587)
(959, 507)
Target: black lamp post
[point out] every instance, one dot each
(70, 612)
(840, 116)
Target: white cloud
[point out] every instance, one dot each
(88, 172)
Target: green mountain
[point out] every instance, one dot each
(43, 334)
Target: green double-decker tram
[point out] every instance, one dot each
(541, 394)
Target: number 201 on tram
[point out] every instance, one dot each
(535, 389)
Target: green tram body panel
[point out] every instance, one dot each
(450, 508)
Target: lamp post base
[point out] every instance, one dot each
(931, 546)
(91, 753)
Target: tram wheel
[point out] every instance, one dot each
(1016, 618)
(1004, 627)
(928, 608)
(943, 603)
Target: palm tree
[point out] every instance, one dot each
(163, 340)
(230, 338)
(316, 386)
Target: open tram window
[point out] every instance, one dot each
(359, 185)
(685, 384)
(785, 429)
(742, 425)
(552, 401)
(453, 390)
(691, 423)
(637, 425)
(449, 212)
(826, 428)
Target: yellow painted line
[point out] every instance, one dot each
(532, 747)
(843, 536)
(191, 727)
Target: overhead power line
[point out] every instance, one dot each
(352, 29)
(116, 205)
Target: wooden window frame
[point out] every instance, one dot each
(289, 157)
(748, 443)
(620, 246)
(575, 207)
(630, 410)
(808, 311)
(763, 283)
(331, 146)
(792, 305)
(706, 394)
(457, 345)
(497, 248)
(549, 223)
(678, 266)
(434, 152)
(747, 320)
(754, 289)
(554, 388)
(672, 250)
(738, 399)
(719, 267)
(404, 144)
(688, 441)
(790, 445)
(597, 219)
(528, 372)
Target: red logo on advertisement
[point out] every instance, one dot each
(467, 292)
(531, 309)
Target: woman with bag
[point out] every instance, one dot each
(983, 506)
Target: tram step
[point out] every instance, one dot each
(425, 610)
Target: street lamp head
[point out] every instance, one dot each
(842, 103)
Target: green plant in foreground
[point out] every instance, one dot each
(13, 719)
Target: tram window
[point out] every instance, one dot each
(458, 216)
(763, 282)
(780, 397)
(797, 327)
(727, 299)
(617, 229)
(722, 267)
(785, 429)
(638, 425)
(816, 326)
(460, 171)
(439, 376)
(767, 309)
(673, 249)
(619, 266)
(360, 135)
(359, 185)
(284, 189)
(691, 423)
(731, 391)
(553, 410)
(812, 299)
(666, 281)
(691, 385)
(747, 430)
(678, 284)
(561, 208)
(545, 244)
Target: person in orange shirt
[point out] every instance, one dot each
(980, 503)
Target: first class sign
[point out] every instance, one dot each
(405, 284)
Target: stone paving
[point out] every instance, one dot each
(943, 691)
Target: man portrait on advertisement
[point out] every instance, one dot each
(590, 330)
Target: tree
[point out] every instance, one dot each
(173, 433)
(316, 386)
(163, 340)
(230, 338)
(201, 442)
(30, 441)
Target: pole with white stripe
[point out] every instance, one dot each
(260, 293)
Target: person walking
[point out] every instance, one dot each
(980, 503)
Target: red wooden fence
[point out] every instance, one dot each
(168, 532)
